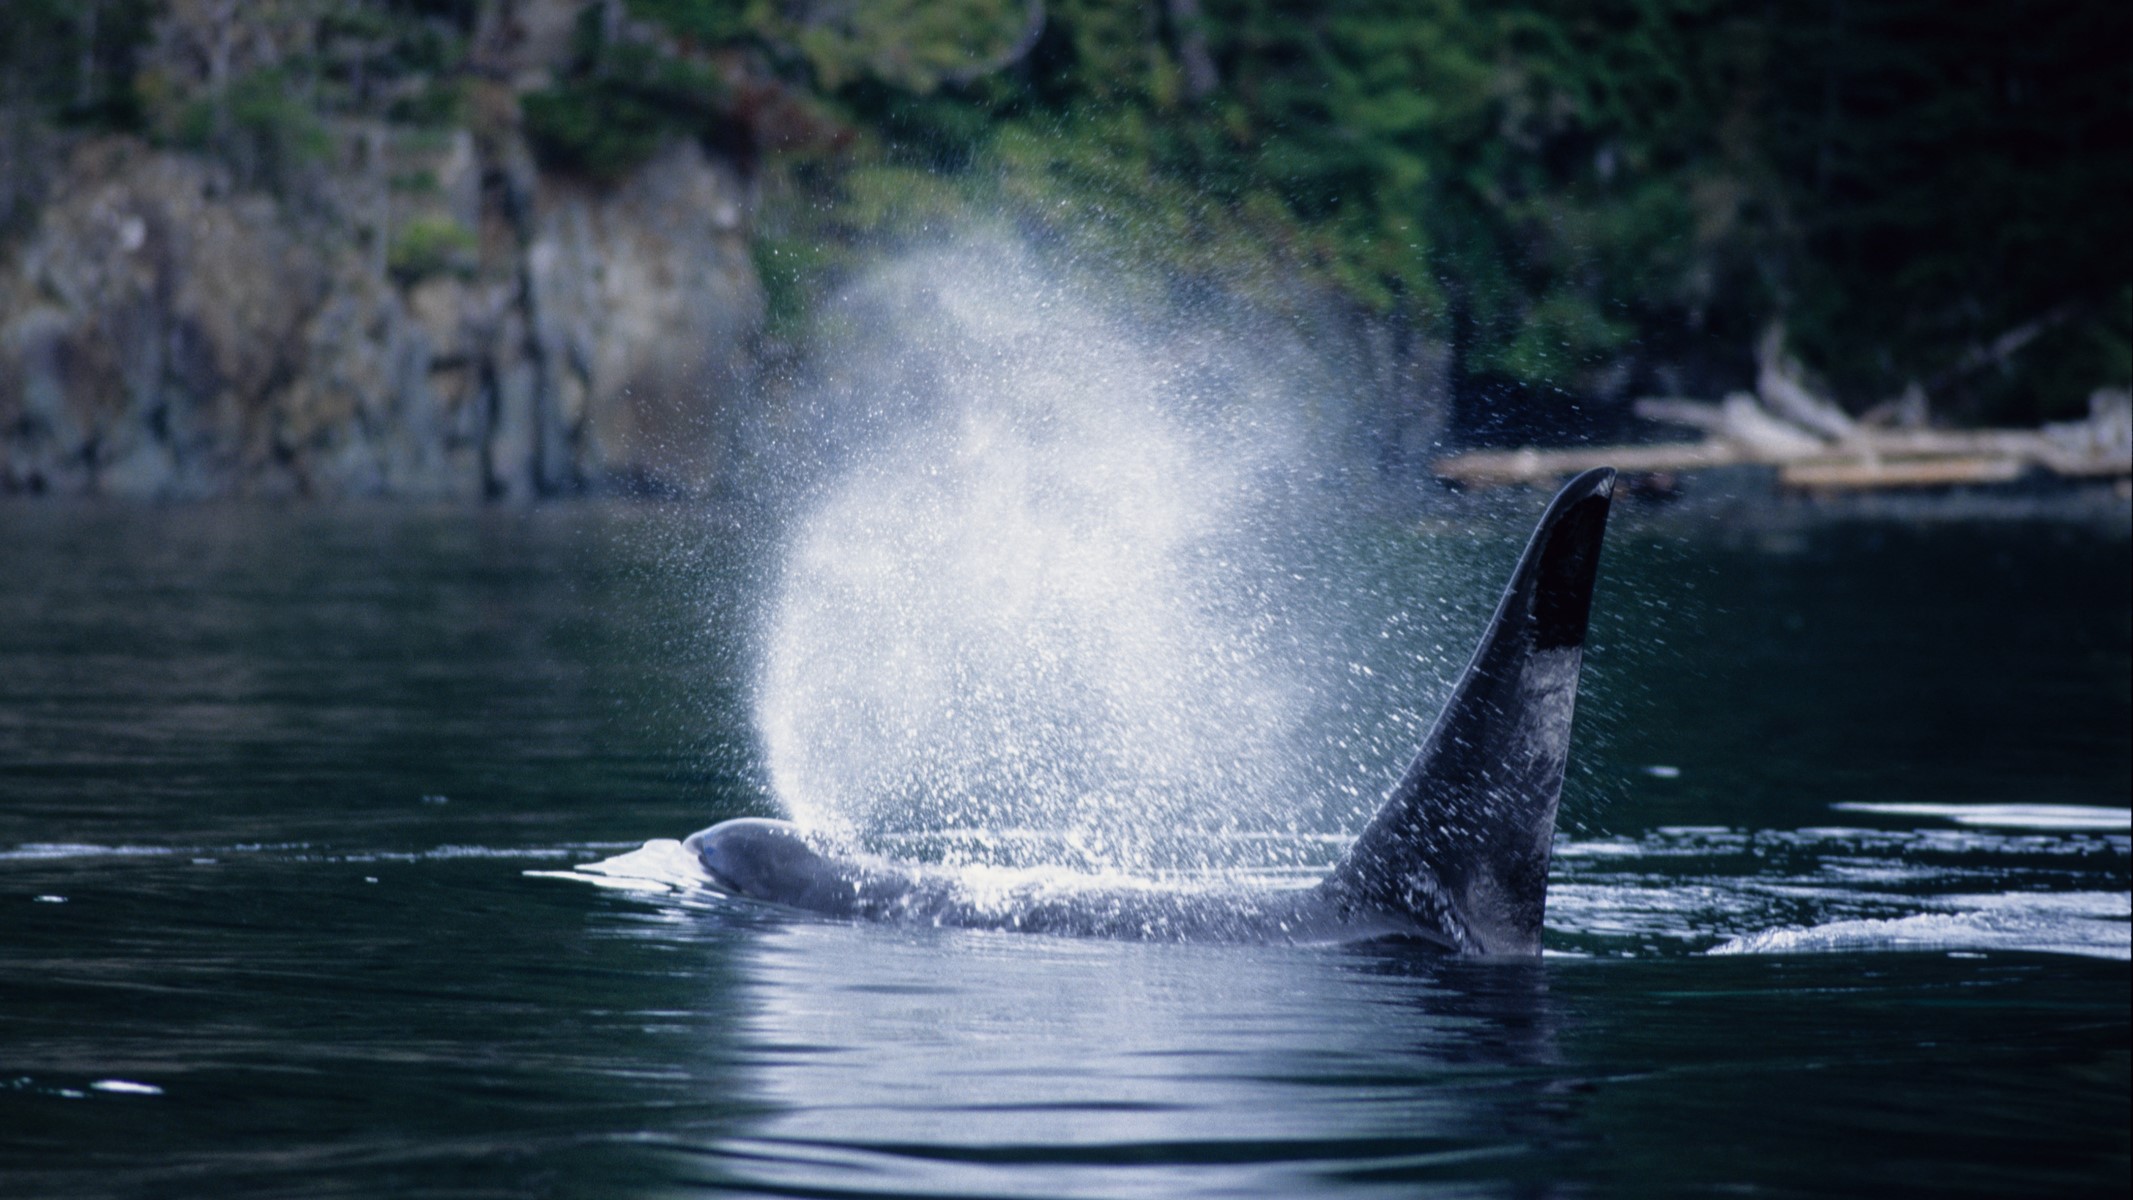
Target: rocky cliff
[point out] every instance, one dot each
(429, 314)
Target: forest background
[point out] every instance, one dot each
(430, 246)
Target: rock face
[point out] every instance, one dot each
(640, 301)
(495, 332)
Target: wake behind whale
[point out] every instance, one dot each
(1457, 856)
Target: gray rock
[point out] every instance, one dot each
(163, 335)
(643, 301)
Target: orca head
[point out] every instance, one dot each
(759, 858)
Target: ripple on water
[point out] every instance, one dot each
(2007, 816)
(1824, 889)
(1992, 927)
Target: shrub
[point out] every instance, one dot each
(259, 126)
(593, 128)
(431, 246)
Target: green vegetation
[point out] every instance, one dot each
(598, 128)
(1589, 198)
(65, 64)
(259, 123)
(437, 104)
(1580, 197)
(76, 60)
(429, 246)
(619, 102)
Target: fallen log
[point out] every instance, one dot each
(1743, 430)
(1497, 468)
(1862, 474)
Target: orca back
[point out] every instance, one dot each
(1462, 844)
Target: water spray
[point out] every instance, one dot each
(1068, 588)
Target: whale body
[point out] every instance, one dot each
(1457, 857)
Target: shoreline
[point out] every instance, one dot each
(1746, 498)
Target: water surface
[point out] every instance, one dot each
(1841, 905)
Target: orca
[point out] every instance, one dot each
(1456, 858)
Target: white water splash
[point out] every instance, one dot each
(659, 866)
(2089, 924)
(1823, 890)
(1055, 582)
(2006, 816)
(126, 1087)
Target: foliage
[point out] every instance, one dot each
(259, 124)
(76, 60)
(785, 266)
(1960, 174)
(597, 128)
(1581, 196)
(429, 246)
(702, 21)
(620, 103)
(1584, 198)
(437, 104)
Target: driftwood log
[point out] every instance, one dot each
(1816, 446)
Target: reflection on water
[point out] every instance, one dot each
(269, 787)
(967, 1063)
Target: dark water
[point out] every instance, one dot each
(269, 784)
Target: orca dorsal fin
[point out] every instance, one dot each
(1462, 844)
